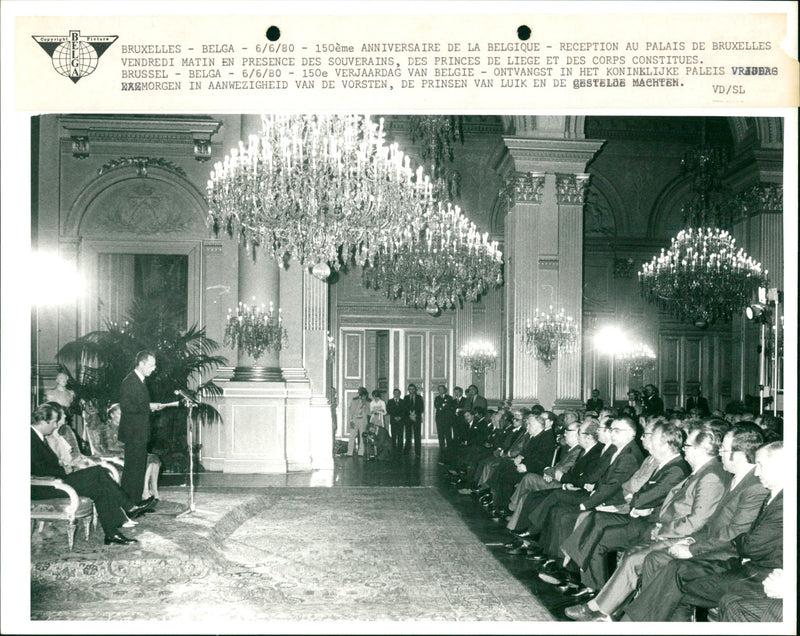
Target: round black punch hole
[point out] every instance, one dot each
(523, 32)
(273, 33)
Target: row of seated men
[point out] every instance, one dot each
(639, 528)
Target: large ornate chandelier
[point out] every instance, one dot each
(478, 356)
(548, 333)
(703, 277)
(436, 260)
(320, 188)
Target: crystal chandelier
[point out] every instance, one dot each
(703, 278)
(255, 329)
(548, 333)
(478, 356)
(638, 359)
(320, 188)
(436, 260)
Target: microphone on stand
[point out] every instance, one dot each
(188, 398)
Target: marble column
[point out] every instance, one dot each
(259, 283)
(544, 260)
(570, 193)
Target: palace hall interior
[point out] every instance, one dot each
(408, 368)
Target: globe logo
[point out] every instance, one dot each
(74, 55)
(74, 59)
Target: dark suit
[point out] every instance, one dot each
(652, 406)
(734, 515)
(396, 410)
(686, 509)
(460, 424)
(445, 410)
(134, 432)
(582, 542)
(585, 465)
(700, 403)
(559, 512)
(94, 482)
(537, 454)
(705, 580)
(416, 405)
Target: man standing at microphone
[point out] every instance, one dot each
(134, 426)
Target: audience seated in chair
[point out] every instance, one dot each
(114, 507)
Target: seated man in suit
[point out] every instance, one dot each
(550, 478)
(555, 518)
(536, 455)
(664, 443)
(734, 515)
(704, 580)
(686, 509)
(114, 507)
(595, 440)
(508, 443)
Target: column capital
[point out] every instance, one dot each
(571, 188)
(551, 155)
(763, 198)
(526, 187)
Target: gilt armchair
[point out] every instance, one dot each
(69, 509)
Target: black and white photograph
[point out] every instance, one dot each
(397, 370)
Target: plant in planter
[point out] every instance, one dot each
(101, 360)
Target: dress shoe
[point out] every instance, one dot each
(139, 509)
(520, 549)
(584, 613)
(119, 539)
(522, 535)
(581, 592)
(147, 502)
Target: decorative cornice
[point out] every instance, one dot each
(547, 152)
(192, 131)
(548, 263)
(141, 164)
(571, 188)
(212, 248)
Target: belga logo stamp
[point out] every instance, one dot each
(75, 55)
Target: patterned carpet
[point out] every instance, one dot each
(288, 554)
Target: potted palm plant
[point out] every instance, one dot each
(98, 361)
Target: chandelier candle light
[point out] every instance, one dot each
(319, 188)
(437, 259)
(702, 278)
(548, 333)
(638, 359)
(478, 356)
(254, 329)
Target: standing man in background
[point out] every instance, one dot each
(415, 406)
(134, 426)
(445, 408)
